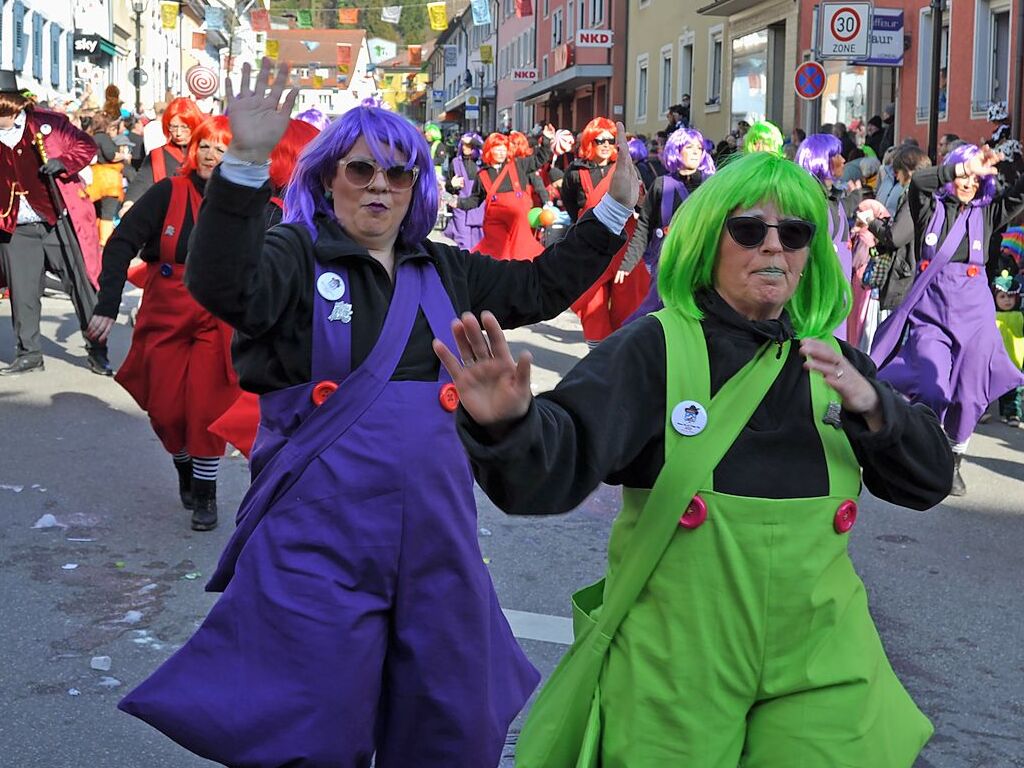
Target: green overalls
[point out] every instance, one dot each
(749, 642)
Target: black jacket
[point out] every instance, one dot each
(650, 219)
(895, 236)
(574, 196)
(263, 285)
(605, 422)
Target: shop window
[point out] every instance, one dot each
(641, 88)
(990, 81)
(685, 65)
(665, 84)
(55, 32)
(750, 77)
(924, 64)
(714, 92)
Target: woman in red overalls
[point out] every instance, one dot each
(179, 366)
(503, 187)
(616, 294)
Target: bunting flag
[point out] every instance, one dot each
(169, 15)
(438, 14)
(392, 14)
(481, 13)
(214, 19)
(259, 20)
(415, 55)
(486, 54)
(198, 41)
(310, 45)
(344, 59)
(273, 49)
(348, 16)
(305, 18)
(318, 81)
(451, 56)
(524, 8)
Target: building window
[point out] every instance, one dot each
(570, 14)
(924, 64)
(991, 55)
(556, 28)
(531, 46)
(546, 9)
(714, 93)
(644, 3)
(665, 84)
(685, 65)
(55, 46)
(37, 45)
(544, 68)
(596, 13)
(750, 77)
(641, 88)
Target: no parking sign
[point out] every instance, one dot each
(809, 80)
(845, 30)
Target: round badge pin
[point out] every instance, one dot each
(689, 418)
(931, 239)
(976, 245)
(330, 286)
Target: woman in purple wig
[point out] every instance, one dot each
(639, 155)
(358, 622)
(688, 163)
(314, 117)
(941, 347)
(465, 227)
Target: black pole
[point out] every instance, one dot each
(138, 61)
(933, 107)
(1018, 77)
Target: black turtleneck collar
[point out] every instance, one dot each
(333, 242)
(718, 311)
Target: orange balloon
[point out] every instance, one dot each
(547, 217)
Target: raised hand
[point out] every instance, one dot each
(625, 184)
(493, 388)
(257, 114)
(857, 393)
(983, 163)
(549, 132)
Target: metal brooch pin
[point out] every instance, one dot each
(342, 311)
(832, 415)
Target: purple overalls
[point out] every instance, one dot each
(942, 347)
(357, 616)
(839, 233)
(673, 195)
(466, 228)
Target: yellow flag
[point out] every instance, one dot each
(169, 15)
(438, 16)
(318, 81)
(273, 49)
(486, 54)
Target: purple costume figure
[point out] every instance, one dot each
(687, 163)
(314, 117)
(821, 155)
(466, 228)
(942, 347)
(358, 621)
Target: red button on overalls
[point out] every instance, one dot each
(696, 513)
(845, 517)
(321, 391)
(449, 397)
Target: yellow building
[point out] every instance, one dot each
(672, 50)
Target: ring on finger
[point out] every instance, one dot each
(839, 372)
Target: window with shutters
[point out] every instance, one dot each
(55, 31)
(18, 17)
(69, 54)
(37, 46)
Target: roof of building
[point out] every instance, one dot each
(317, 48)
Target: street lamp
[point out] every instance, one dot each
(138, 6)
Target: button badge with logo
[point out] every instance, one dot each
(689, 418)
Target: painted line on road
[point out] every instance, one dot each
(539, 626)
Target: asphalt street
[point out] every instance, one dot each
(114, 571)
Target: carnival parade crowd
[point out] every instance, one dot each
(776, 322)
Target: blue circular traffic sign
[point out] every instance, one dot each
(809, 80)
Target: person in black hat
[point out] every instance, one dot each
(47, 222)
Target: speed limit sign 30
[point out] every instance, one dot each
(845, 30)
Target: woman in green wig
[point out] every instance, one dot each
(731, 628)
(763, 136)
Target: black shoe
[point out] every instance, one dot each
(959, 486)
(98, 362)
(185, 482)
(204, 497)
(24, 364)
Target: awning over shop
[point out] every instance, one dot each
(569, 79)
(728, 7)
(96, 45)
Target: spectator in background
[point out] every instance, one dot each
(676, 120)
(796, 137)
(874, 133)
(134, 127)
(942, 90)
(106, 189)
(888, 127)
(153, 136)
(112, 102)
(945, 144)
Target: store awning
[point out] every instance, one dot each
(728, 7)
(568, 79)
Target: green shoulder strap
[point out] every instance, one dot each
(843, 467)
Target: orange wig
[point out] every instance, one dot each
(494, 140)
(520, 145)
(184, 109)
(282, 160)
(216, 129)
(587, 150)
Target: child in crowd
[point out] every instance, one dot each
(1010, 320)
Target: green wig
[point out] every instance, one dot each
(432, 131)
(763, 136)
(690, 253)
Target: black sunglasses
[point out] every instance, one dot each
(750, 232)
(361, 173)
(604, 141)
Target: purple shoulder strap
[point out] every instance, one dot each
(332, 326)
(672, 187)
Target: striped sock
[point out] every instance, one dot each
(181, 457)
(205, 468)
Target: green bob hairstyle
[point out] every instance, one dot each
(763, 136)
(690, 253)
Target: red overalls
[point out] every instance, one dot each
(178, 368)
(507, 232)
(137, 274)
(606, 304)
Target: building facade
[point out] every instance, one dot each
(37, 42)
(515, 63)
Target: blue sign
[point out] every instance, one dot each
(438, 96)
(886, 39)
(809, 80)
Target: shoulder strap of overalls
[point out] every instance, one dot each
(184, 195)
(159, 163)
(689, 460)
(843, 467)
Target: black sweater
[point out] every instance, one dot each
(144, 178)
(574, 196)
(650, 218)
(263, 285)
(606, 422)
(895, 235)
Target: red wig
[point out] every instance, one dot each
(587, 150)
(216, 129)
(495, 140)
(184, 109)
(519, 144)
(282, 160)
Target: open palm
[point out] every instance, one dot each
(257, 114)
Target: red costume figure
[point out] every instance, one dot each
(179, 366)
(503, 187)
(34, 195)
(616, 294)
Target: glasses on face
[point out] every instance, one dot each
(750, 232)
(178, 128)
(599, 142)
(361, 173)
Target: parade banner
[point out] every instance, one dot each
(305, 18)
(451, 56)
(486, 54)
(259, 20)
(214, 19)
(392, 14)
(198, 41)
(273, 49)
(524, 8)
(348, 16)
(169, 15)
(438, 14)
(481, 13)
(415, 55)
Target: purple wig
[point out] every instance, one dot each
(672, 155)
(815, 155)
(386, 134)
(986, 187)
(637, 150)
(476, 140)
(314, 117)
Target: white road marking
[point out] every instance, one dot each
(539, 626)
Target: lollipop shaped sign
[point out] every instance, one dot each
(202, 81)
